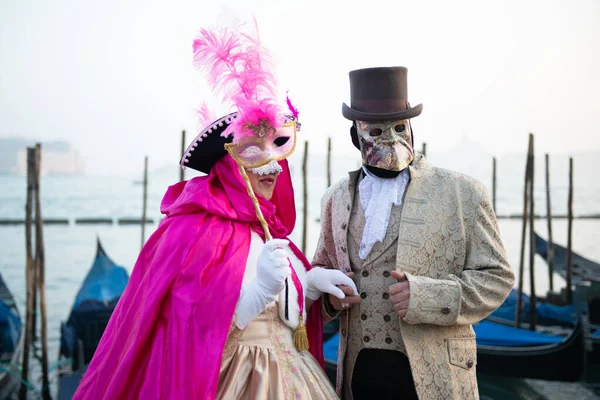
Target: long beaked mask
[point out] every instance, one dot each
(386, 145)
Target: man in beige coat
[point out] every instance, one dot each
(423, 246)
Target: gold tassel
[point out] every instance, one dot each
(300, 335)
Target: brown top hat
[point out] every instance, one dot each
(379, 94)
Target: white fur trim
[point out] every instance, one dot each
(293, 309)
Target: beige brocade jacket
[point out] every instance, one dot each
(449, 246)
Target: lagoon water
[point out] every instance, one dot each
(70, 249)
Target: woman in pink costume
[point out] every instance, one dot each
(221, 304)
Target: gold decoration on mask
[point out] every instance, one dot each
(264, 128)
(232, 149)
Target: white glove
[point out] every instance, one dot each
(272, 268)
(323, 280)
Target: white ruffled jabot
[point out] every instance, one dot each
(376, 197)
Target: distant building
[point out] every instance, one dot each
(58, 158)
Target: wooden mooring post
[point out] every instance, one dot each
(181, 170)
(532, 296)
(35, 273)
(304, 198)
(570, 237)
(424, 152)
(40, 266)
(523, 233)
(29, 273)
(550, 253)
(144, 201)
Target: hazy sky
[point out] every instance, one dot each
(115, 79)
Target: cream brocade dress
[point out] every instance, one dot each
(260, 362)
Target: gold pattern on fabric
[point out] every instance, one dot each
(259, 213)
(374, 318)
(455, 263)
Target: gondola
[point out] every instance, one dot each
(11, 344)
(553, 311)
(547, 314)
(583, 268)
(506, 351)
(585, 279)
(92, 309)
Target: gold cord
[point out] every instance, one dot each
(300, 335)
(259, 214)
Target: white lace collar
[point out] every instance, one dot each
(376, 197)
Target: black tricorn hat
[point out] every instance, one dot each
(379, 94)
(209, 146)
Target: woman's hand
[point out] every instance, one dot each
(323, 280)
(273, 268)
(339, 286)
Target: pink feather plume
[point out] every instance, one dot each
(293, 109)
(205, 116)
(240, 70)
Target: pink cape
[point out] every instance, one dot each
(166, 336)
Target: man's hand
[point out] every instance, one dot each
(400, 293)
(348, 301)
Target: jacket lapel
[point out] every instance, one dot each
(344, 214)
(356, 227)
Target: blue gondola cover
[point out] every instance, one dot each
(93, 306)
(488, 334)
(10, 321)
(10, 327)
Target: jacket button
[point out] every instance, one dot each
(470, 364)
(386, 274)
(363, 295)
(348, 207)
(388, 340)
(446, 310)
(344, 226)
(343, 332)
(386, 318)
(365, 273)
(386, 296)
(366, 339)
(363, 317)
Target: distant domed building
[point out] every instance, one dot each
(58, 158)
